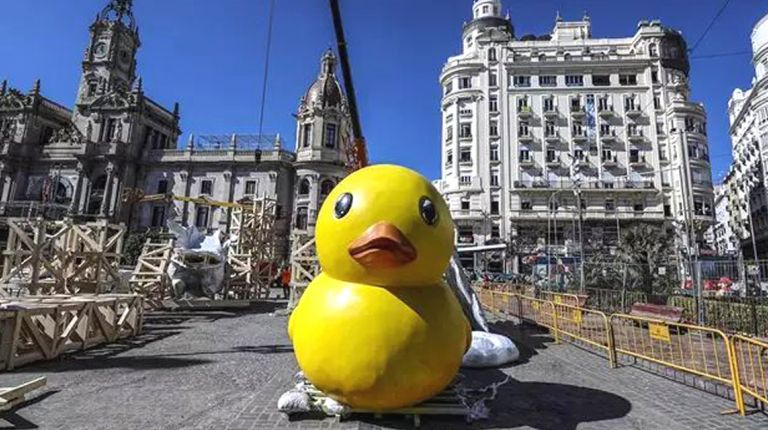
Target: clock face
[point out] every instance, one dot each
(100, 50)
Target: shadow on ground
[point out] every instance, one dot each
(157, 326)
(18, 422)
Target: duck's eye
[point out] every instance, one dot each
(343, 204)
(428, 211)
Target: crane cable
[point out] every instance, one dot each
(266, 67)
(709, 27)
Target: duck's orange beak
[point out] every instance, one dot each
(382, 246)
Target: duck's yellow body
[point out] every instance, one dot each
(379, 329)
(378, 347)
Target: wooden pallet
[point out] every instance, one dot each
(150, 277)
(12, 396)
(445, 403)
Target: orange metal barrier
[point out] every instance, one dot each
(751, 362)
(702, 351)
(586, 325)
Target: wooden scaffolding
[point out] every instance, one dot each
(304, 265)
(150, 276)
(61, 257)
(252, 258)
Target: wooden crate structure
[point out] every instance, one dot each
(62, 257)
(38, 328)
(304, 265)
(252, 258)
(150, 276)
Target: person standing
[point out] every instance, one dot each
(285, 280)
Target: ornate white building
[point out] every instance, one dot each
(534, 125)
(56, 161)
(747, 182)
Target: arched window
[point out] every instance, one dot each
(97, 194)
(304, 187)
(652, 50)
(326, 187)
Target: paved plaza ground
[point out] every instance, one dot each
(225, 370)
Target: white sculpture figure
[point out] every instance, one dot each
(197, 264)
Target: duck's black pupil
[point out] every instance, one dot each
(428, 211)
(343, 204)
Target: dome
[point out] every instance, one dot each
(325, 91)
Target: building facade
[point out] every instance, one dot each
(747, 183)
(548, 136)
(719, 236)
(84, 161)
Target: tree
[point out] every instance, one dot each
(644, 249)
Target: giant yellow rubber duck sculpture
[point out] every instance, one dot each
(378, 329)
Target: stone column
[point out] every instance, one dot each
(77, 194)
(105, 201)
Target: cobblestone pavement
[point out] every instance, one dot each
(223, 370)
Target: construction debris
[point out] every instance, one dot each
(10, 397)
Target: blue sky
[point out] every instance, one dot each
(209, 56)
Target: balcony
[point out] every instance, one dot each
(611, 161)
(578, 136)
(637, 136)
(582, 162)
(585, 186)
(633, 110)
(526, 162)
(553, 137)
(605, 111)
(554, 162)
(551, 112)
(638, 161)
(608, 136)
(524, 135)
(524, 111)
(577, 111)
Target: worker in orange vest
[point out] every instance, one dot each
(285, 280)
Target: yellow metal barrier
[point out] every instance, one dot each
(587, 325)
(751, 362)
(702, 351)
(562, 298)
(540, 312)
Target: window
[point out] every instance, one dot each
(526, 205)
(550, 130)
(655, 77)
(449, 158)
(158, 216)
(601, 80)
(330, 135)
(485, 9)
(523, 130)
(667, 210)
(656, 102)
(465, 156)
(610, 205)
(627, 79)
(465, 82)
(448, 88)
(495, 234)
(302, 218)
(111, 129)
(607, 155)
(634, 155)
(465, 205)
(551, 155)
(522, 81)
(493, 104)
(578, 154)
(494, 128)
(465, 180)
(492, 54)
(304, 187)
(548, 81)
(93, 86)
(633, 130)
(495, 180)
(638, 207)
(250, 188)
(307, 136)
(525, 155)
(494, 153)
(575, 104)
(494, 207)
(549, 104)
(602, 104)
(326, 187)
(630, 104)
(465, 130)
(206, 187)
(201, 216)
(449, 133)
(578, 129)
(162, 186)
(605, 130)
(574, 80)
(653, 50)
(493, 79)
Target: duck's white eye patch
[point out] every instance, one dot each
(343, 205)
(428, 211)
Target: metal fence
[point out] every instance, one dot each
(751, 363)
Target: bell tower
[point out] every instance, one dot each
(110, 59)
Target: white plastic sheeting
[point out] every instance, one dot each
(490, 350)
(197, 264)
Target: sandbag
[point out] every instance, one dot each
(490, 350)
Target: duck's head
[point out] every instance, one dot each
(385, 225)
